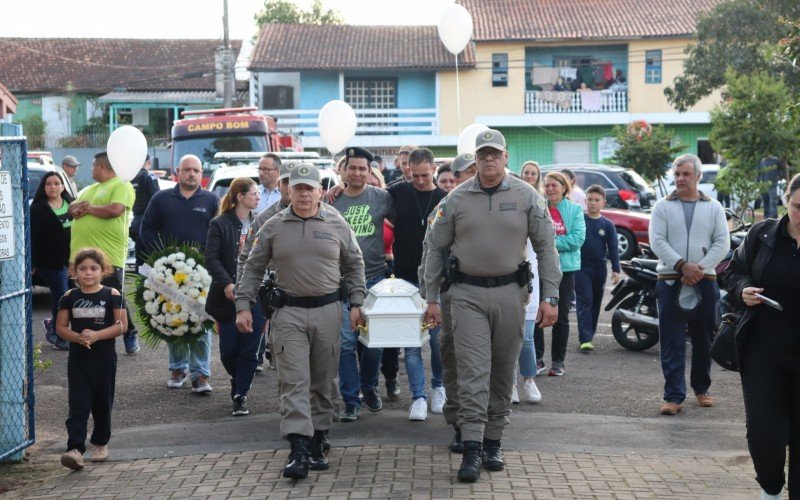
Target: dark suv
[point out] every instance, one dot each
(624, 188)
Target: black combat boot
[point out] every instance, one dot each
(317, 460)
(470, 469)
(456, 446)
(297, 463)
(492, 455)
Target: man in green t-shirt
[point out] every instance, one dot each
(102, 213)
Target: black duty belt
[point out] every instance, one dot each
(485, 281)
(286, 300)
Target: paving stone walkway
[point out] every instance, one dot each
(407, 472)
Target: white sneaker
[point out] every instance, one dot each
(532, 394)
(437, 400)
(514, 395)
(419, 410)
(767, 496)
(176, 379)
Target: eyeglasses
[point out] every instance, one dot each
(485, 155)
(260, 169)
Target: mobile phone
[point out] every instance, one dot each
(768, 301)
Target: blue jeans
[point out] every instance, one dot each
(56, 279)
(589, 284)
(527, 356)
(350, 380)
(673, 331)
(239, 351)
(195, 359)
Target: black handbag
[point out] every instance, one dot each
(723, 350)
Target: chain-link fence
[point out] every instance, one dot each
(16, 338)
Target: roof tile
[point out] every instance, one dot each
(584, 19)
(103, 64)
(319, 47)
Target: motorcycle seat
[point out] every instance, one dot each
(650, 264)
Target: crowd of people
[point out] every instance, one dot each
(437, 229)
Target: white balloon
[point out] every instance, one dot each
(337, 125)
(455, 28)
(466, 141)
(127, 150)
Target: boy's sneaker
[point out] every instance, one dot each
(350, 413)
(177, 379)
(532, 394)
(200, 385)
(419, 410)
(99, 453)
(392, 391)
(540, 366)
(260, 367)
(514, 395)
(131, 343)
(372, 401)
(239, 407)
(556, 370)
(49, 333)
(72, 459)
(587, 346)
(437, 400)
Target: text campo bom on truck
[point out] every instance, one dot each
(204, 133)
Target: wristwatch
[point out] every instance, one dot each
(352, 306)
(553, 301)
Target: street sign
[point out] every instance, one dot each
(6, 217)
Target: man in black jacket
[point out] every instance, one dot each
(145, 185)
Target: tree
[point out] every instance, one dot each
(34, 129)
(739, 35)
(751, 123)
(283, 11)
(647, 150)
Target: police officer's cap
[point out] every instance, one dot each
(462, 162)
(305, 173)
(490, 139)
(286, 169)
(355, 152)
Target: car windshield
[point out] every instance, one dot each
(206, 147)
(635, 180)
(34, 179)
(221, 186)
(709, 177)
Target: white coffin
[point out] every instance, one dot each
(394, 310)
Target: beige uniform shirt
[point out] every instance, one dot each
(312, 255)
(488, 233)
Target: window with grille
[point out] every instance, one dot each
(373, 94)
(652, 66)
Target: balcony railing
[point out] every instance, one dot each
(597, 101)
(372, 121)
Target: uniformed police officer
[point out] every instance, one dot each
(313, 248)
(489, 292)
(464, 168)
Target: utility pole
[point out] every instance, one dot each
(227, 64)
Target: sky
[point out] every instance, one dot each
(185, 18)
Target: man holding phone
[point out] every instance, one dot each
(689, 234)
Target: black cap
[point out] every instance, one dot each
(359, 153)
(101, 154)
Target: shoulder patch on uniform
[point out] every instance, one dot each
(540, 204)
(255, 242)
(440, 211)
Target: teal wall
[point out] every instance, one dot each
(536, 143)
(416, 90)
(28, 105)
(316, 89)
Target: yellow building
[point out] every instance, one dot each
(613, 59)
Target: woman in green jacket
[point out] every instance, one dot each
(570, 232)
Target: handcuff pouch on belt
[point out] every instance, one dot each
(450, 268)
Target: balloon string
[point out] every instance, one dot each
(458, 97)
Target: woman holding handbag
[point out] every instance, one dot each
(767, 265)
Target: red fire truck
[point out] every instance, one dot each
(206, 132)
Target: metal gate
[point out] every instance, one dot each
(17, 430)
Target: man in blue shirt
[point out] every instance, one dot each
(269, 170)
(181, 215)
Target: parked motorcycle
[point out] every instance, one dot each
(634, 323)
